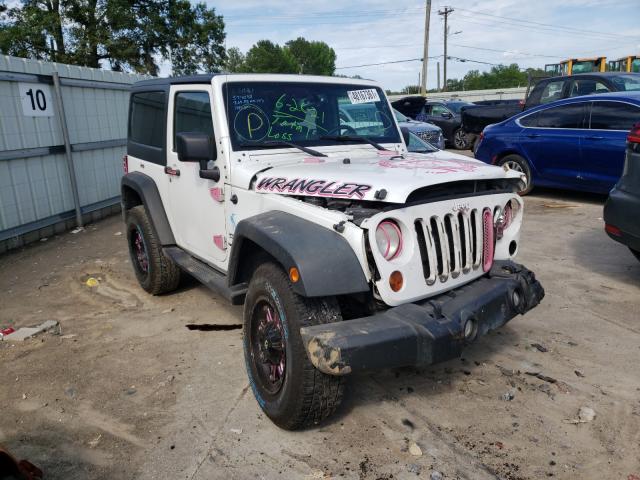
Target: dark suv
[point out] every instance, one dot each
(443, 113)
(621, 210)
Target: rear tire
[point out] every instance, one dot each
(288, 388)
(636, 253)
(460, 141)
(519, 164)
(155, 272)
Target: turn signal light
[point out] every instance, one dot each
(294, 275)
(125, 163)
(396, 281)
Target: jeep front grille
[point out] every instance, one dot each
(455, 244)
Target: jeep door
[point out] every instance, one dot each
(197, 209)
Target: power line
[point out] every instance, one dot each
(506, 51)
(540, 24)
(386, 63)
(377, 46)
(537, 29)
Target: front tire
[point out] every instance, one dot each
(288, 388)
(460, 141)
(155, 272)
(519, 164)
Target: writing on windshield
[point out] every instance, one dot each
(305, 112)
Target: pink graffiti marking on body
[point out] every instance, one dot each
(430, 165)
(218, 241)
(217, 194)
(388, 153)
(488, 245)
(312, 160)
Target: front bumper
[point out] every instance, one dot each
(621, 212)
(425, 332)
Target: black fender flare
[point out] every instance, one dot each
(149, 195)
(327, 264)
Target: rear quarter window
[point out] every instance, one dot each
(614, 116)
(146, 121)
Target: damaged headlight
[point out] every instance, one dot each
(389, 239)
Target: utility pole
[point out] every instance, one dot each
(438, 76)
(445, 13)
(425, 54)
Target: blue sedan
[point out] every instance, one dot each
(577, 143)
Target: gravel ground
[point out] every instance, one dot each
(127, 391)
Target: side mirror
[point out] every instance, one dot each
(198, 147)
(405, 135)
(195, 147)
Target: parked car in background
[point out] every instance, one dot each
(415, 144)
(576, 143)
(443, 113)
(622, 210)
(426, 131)
(545, 91)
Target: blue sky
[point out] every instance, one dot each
(530, 33)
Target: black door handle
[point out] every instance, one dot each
(532, 135)
(172, 171)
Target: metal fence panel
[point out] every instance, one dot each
(35, 185)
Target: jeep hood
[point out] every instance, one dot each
(360, 177)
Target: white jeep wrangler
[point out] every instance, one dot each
(348, 252)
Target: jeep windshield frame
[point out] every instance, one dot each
(307, 114)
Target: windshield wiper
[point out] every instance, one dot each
(349, 138)
(280, 143)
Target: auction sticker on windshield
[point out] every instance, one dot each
(363, 96)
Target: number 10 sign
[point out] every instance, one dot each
(36, 99)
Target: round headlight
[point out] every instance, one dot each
(389, 239)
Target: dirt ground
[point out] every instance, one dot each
(128, 391)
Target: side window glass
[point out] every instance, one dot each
(552, 92)
(438, 110)
(147, 118)
(614, 115)
(530, 120)
(564, 116)
(192, 113)
(586, 87)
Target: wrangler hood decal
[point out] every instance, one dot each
(361, 178)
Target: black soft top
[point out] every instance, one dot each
(165, 82)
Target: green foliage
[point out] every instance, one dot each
(500, 76)
(268, 57)
(314, 58)
(131, 35)
(235, 60)
(296, 56)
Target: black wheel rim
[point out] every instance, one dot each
(268, 348)
(460, 139)
(139, 251)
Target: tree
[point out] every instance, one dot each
(133, 35)
(235, 60)
(268, 57)
(500, 76)
(313, 58)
